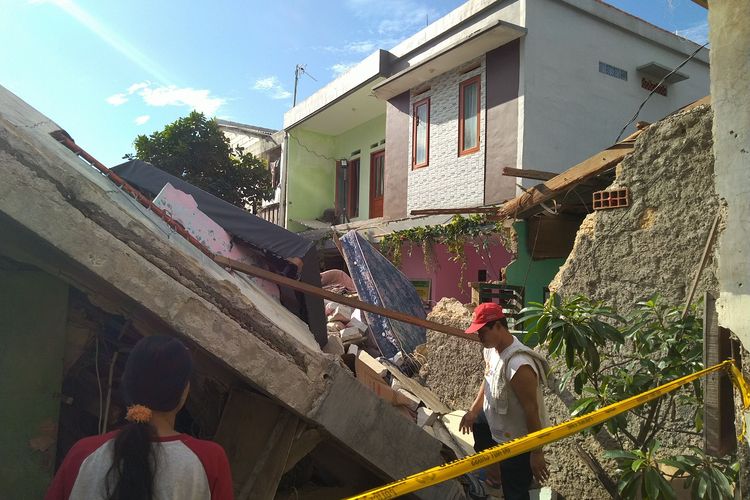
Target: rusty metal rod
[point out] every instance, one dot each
(340, 299)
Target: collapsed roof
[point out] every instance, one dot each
(71, 221)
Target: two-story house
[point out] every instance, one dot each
(432, 122)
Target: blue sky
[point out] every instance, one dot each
(107, 71)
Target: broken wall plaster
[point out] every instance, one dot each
(655, 245)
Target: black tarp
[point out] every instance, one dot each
(274, 242)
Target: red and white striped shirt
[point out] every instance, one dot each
(186, 469)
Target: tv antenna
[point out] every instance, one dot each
(299, 70)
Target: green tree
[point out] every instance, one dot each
(194, 149)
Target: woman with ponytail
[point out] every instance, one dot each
(147, 459)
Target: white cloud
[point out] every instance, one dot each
(341, 68)
(137, 86)
(697, 33)
(142, 119)
(272, 87)
(117, 99)
(395, 18)
(364, 47)
(170, 95)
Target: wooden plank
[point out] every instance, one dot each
(524, 173)
(449, 211)
(340, 299)
(702, 263)
(584, 171)
(429, 398)
(264, 479)
(718, 396)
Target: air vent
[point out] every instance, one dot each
(355, 153)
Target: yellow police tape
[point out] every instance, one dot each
(539, 438)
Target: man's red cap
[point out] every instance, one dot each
(483, 314)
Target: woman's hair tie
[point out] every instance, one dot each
(138, 414)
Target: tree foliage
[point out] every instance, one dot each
(609, 358)
(195, 149)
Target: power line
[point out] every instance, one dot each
(635, 116)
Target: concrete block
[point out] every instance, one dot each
(426, 417)
(341, 313)
(353, 349)
(355, 323)
(414, 401)
(372, 363)
(334, 345)
(350, 334)
(335, 326)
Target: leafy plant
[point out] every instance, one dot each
(609, 358)
(640, 474)
(476, 230)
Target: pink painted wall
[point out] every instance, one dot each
(445, 277)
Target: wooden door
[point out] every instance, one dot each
(377, 183)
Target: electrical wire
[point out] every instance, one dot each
(635, 116)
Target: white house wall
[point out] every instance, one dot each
(449, 180)
(570, 109)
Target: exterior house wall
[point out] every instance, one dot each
(309, 181)
(533, 275)
(501, 132)
(568, 102)
(396, 169)
(446, 280)
(449, 180)
(361, 139)
(312, 171)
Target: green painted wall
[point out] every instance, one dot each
(540, 272)
(33, 314)
(312, 179)
(361, 138)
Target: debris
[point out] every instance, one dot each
(426, 417)
(334, 345)
(356, 323)
(353, 349)
(452, 422)
(335, 326)
(398, 359)
(337, 281)
(350, 334)
(372, 363)
(413, 400)
(341, 313)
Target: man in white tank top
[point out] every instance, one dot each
(510, 400)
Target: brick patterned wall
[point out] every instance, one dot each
(448, 180)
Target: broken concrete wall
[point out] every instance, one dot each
(454, 370)
(103, 239)
(624, 255)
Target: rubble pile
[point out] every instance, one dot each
(454, 366)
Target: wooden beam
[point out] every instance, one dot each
(449, 211)
(584, 171)
(524, 173)
(340, 299)
(702, 3)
